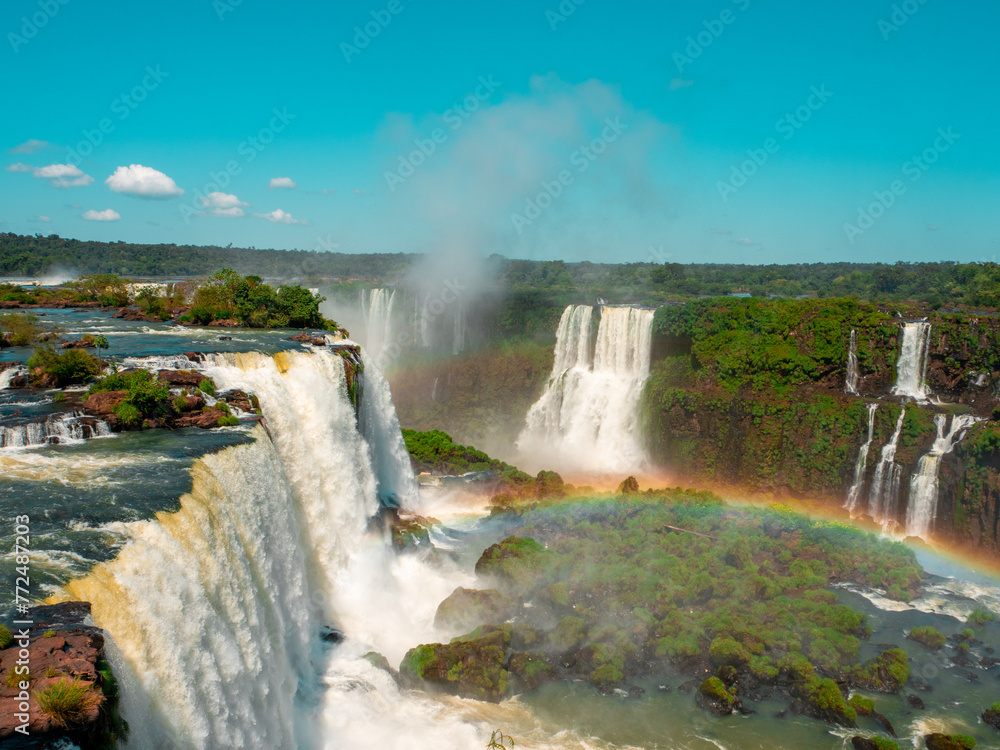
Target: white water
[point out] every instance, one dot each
(853, 378)
(376, 306)
(884, 489)
(216, 611)
(62, 429)
(587, 419)
(854, 494)
(921, 511)
(6, 376)
(911, 369)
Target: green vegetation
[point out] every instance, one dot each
(617, 588)
(928, 636)
(979, 617)
(48, 634)
(249, 302)
(66, 702)
(20, 329)
(62, 368)
(145, 396)
(6, 638)
(15, 678)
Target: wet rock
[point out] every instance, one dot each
(306, 338)
(465, 608)
(241, 400)
(918, 683)
(635, 692)
(206, 419)
(938, 741)
(915, 702)
(195, 356)
(886, 673)
(225, 338)
(713, 696)
(531, 669)
(471, 667)
(224, 323)
(380, 662)
(988, 662)
(992, 717)
(87, 342)
(331, 635)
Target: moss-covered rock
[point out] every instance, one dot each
(823, 699)
(873, 743)
(530, 670)
(927, 636)
(473, 668)
(713, 696)
(466, 608)
(938, 741)
(991, 716)
(515, 562)
(886, 673)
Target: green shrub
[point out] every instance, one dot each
(227, 421)
(127, 414)
(928, 636)
(14, 678)
(6, 638)
(48, 634)
(980, 617)
(66, 702)
(207, 386)
(179, 403)
(69, 367)
(21, 329)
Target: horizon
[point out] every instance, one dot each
(718, 133)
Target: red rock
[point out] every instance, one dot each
(181, 377)
(104, 403)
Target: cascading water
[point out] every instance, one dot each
(884, 491)
(922, 508)
(217, 612)
(7, 376)
(376, 306)
(586, 420)
(71, 427)
(911, 369)
(854, 494)
(853, 377)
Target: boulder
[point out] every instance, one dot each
(939, 741)
(104, 404)
(992, 717)
(181, 377)
(224, 323)
(62, 648)
(713, 696)
(465, 609)
(471, 667)
(915, 702)
(306, 338)
(87, 342)
(206, 419)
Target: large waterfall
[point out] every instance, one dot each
(884, 491)
(587, 419)
(217, 612)
(922, 508)
(854, 494)
(911, 369)
(853, 377)
(376, 306)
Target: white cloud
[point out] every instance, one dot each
(277, 216)
(32, 146)
(680, 83)
(19, 167)
(44, 218)
(277, 183)
(224, 205)
(144, 182)
(108, 214)
(745, 241)
(63, 175)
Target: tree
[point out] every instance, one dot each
(101, 342)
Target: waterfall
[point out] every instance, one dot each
(7, 376)
(914, 357)
(854, 494)
(884, 490)
(376, 306)
(58, 429)
(921, 511)
(458, 337)
(587, 419)
(217, 612)
(853, 377)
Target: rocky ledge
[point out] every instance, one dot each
(55, 683)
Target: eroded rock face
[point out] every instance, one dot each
(60, 647)
(103, 404)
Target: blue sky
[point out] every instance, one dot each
(725, 131)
